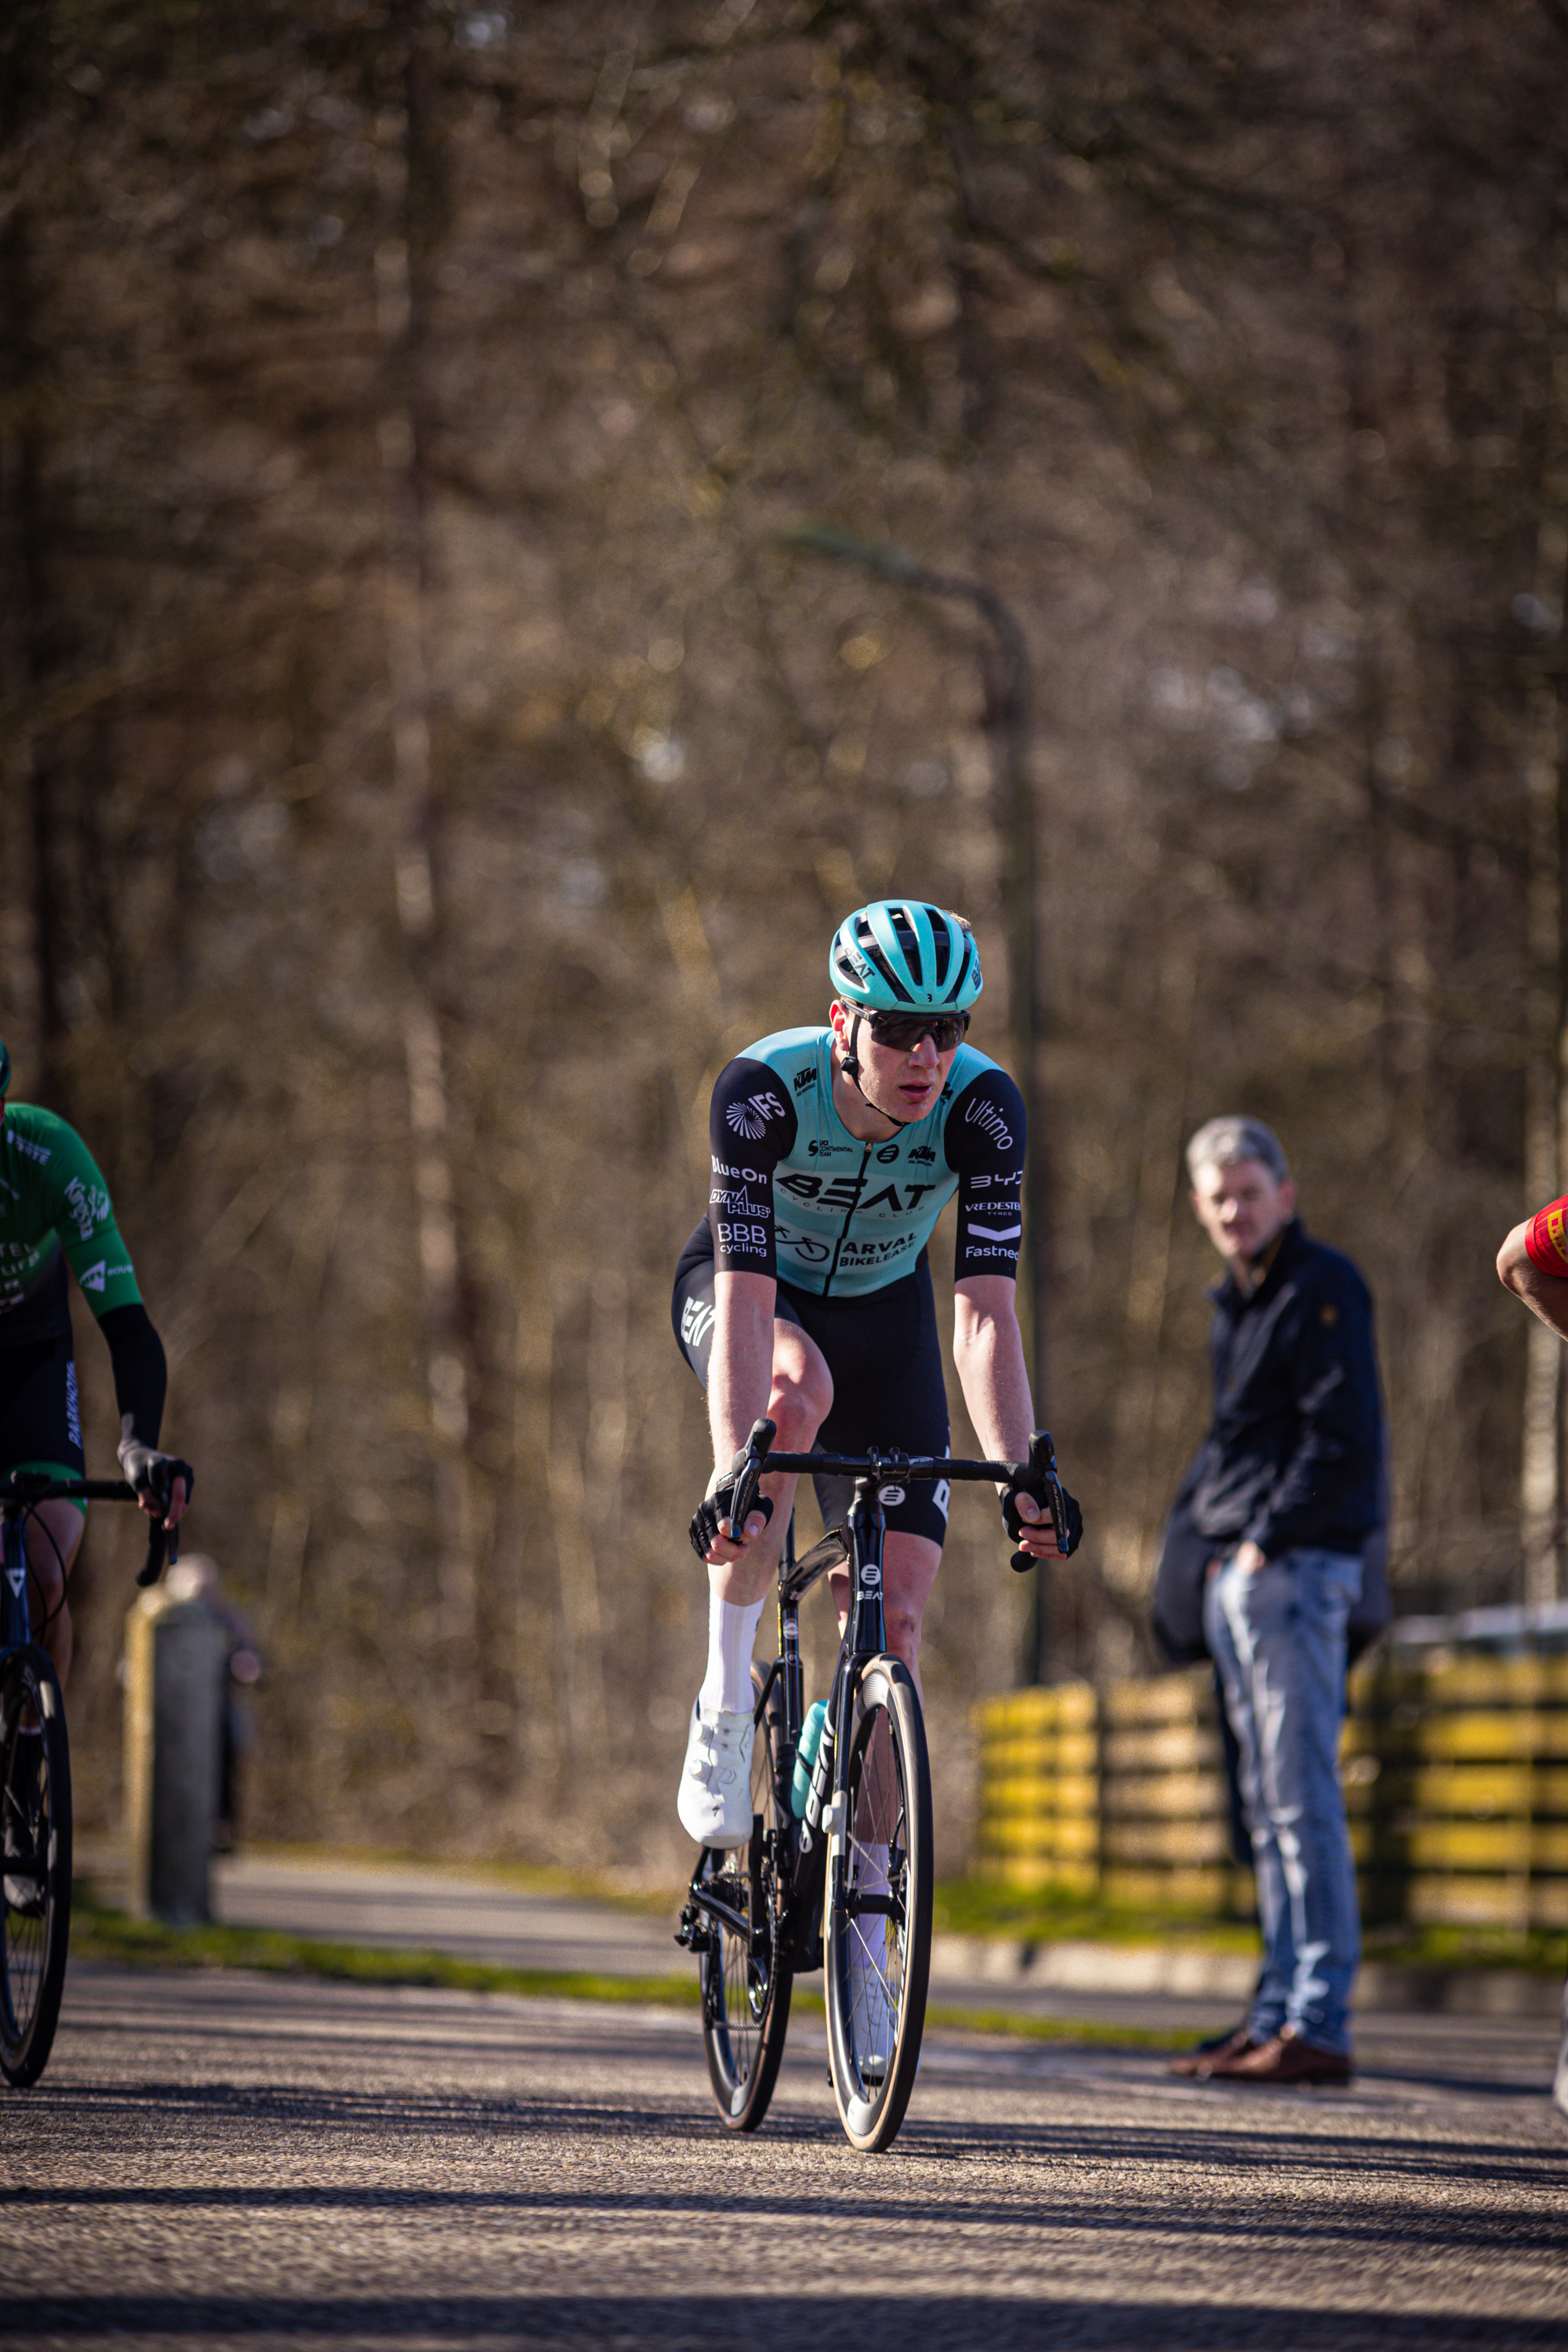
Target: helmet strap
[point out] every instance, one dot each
(850, 1065)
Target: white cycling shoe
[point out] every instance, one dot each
(715, 1800)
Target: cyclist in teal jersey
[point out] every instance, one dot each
(806, 1292)
(54, 1211)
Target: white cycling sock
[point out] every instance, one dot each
(731, 1630)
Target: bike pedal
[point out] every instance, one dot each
(692, 1934)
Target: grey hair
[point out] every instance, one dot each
(1224, 1142)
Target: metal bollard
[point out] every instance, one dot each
(176, 1658)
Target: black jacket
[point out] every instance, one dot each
(1294, 1456)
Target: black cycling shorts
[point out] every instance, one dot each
(40, 1420)
(883, 1352)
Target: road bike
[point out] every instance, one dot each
(839, 1872)
(35, 1778)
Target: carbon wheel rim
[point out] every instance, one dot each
(27, 1833)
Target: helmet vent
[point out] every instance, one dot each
(909, 941)
(866, 941)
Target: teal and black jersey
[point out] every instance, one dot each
(796, 1195)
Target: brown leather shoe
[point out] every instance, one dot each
(1208, 2056)
(1287, 2059)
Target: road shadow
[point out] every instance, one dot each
(905, 2323)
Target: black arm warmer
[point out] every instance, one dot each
(141, 1374)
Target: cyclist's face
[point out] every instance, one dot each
(905, 1083)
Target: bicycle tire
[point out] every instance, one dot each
(36, 1867)
(878, 1962)
(746, 1993)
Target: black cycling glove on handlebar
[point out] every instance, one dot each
(1036, 1493)
(149, 1472)
(715, 1507)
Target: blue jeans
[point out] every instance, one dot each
(1279, 1640)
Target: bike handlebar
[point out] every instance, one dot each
(895, 1469)
(29, 1486)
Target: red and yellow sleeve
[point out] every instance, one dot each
(1547, 1240)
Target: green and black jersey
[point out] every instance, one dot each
(55, 1212)
(54, 1208)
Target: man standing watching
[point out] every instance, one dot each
(1533, 1263)
(1286, 1491)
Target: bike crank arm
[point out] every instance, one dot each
(722, 1913)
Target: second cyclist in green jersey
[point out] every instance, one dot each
(54, 1214)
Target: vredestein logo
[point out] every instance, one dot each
(987, 1117)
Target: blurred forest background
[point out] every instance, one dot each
(431, 750)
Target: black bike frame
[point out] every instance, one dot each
(19, 1495)
(858, 1546)
(14, 1628)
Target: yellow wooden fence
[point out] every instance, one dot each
(1455, 1781)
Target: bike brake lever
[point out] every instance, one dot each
(1042, 1463)
(1043, 1473)
(749, 1474)
(159, 1549)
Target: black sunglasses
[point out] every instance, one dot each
(904, 1030)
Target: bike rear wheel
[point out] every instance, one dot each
(35, 1864)
(746, 1978)
(877, 1943)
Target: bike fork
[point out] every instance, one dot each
(14, 1626)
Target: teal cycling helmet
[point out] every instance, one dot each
(898, 955)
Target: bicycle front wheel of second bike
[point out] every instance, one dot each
(35, 1864)
(746, 1977)
(877, 1943)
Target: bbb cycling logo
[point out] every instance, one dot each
(751, 1118)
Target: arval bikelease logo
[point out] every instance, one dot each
(751, 1118)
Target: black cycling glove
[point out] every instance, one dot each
(1072, 1515)
(151, 1473)
(715, 1507)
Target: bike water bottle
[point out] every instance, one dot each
(805, 1755)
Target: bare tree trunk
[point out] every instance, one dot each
(447, 1355)
(33, 651)
(1546, 1110)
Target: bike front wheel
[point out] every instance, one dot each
(877, 1943)
(35, 1862)
(746, 1977)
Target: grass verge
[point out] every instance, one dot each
(968, 1907)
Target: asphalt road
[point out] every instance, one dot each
(216, 2159)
